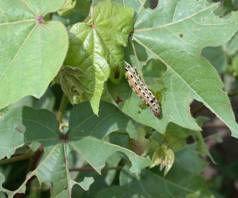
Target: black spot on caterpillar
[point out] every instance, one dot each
(140, 88)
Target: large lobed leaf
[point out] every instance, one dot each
(184, 180)
(175, 33)
(85, 138)
(28, 60)
(95, 46)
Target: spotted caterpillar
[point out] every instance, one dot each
(141, 89)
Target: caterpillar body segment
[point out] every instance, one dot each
(141, 89)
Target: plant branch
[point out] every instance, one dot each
(17, 158)
(91, 169)
(215, 126)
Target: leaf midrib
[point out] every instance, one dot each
(17, 22)
(65, 147)
(183, 80)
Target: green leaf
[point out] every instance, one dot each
(235, 65)
(28, 61)
(217, 58)
(88, 127)
(11, 132)
(68, 6)
(176, 37)
(52, 170)
(133, 106)
(86, 183)
(130, 104)
(176, 138)
(40, 125)
(84, 123)
(180, 182)
(151, 185)
(2, 190)
(232, 46)
(95, 46)
(76, 14)
(85, 138)
(91, 63)
(89, 147)
(137, 5)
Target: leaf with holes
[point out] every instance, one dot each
(176, 36)
(85, 138)
(28, 61)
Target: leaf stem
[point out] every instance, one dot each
(91, 169)
(63, 104)
(17, 158)
(88, 169)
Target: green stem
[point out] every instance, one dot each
(63, 104)
(17, 158)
